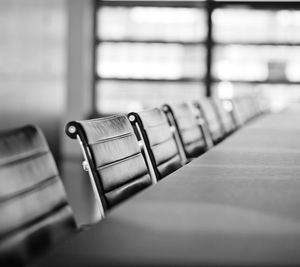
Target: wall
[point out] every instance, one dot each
(45, 79)
(33, 65)
(78, 106)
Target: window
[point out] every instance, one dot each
(148, 53)
(151, 52)
(257, 49)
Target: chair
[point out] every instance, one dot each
(248, 108)
(227, 121)
(112, 157)
(153, 129)
(258, 104)
(207, 108)
(242, 110)
(34, 211)
(262, 104)
(191, 136)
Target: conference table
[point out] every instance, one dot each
(236, 205)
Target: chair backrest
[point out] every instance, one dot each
(186, 123)
(261, 103)
(242, 109)
(227, 121)
(248, 108)
(253, 106)
(113, 158)
(152, 127)
(198, 113)
(210, 114)
(34, 213)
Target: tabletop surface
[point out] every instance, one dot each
(237, 205)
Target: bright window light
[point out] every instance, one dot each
(225, 90)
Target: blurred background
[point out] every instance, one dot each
(63, 60)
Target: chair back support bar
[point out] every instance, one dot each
(113, 158)
(35, 214)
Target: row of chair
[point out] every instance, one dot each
(248, 107)
(123, 154)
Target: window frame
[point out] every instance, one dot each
(208, 43)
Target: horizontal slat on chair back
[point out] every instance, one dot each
(211, 117)
(33, 206)
(189, 130)
(116, 158)
(161, 141)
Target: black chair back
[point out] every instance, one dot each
(242, 109)
(227, 120)
(210, 114)
(113, 158)
(186, 123)
(152, 127)
(35, 214)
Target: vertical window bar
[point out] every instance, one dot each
(209, 47)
